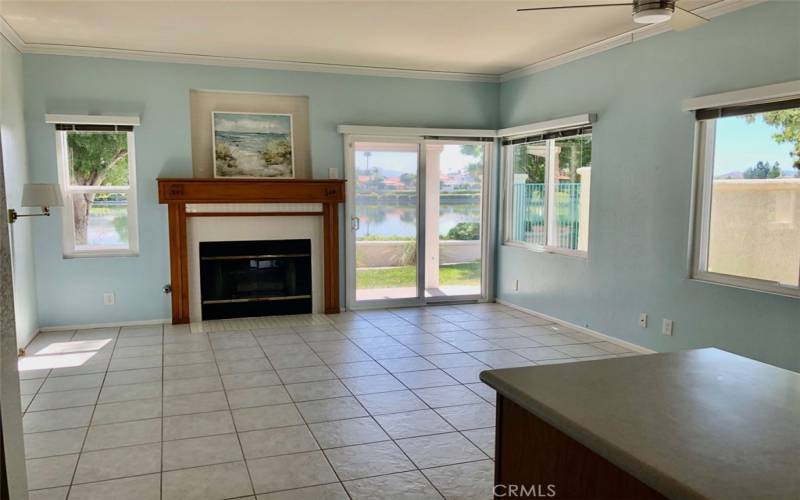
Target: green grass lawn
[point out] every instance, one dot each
(404, 276)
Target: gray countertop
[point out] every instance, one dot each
(702, 423)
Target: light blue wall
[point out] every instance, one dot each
(641, 188)
(70, 291)
(15, 164)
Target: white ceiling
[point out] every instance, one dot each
(478, 37)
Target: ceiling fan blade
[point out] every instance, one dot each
(561, 7)
(683, 20)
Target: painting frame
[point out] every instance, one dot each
(215, 169)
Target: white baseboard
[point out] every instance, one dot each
(582, 329)
(32, 337)
(61, 328)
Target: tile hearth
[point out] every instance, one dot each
(358, 405)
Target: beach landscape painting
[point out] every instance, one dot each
(252, 145)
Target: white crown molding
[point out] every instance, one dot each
(238, 62)
(709, 11)
(9, 34)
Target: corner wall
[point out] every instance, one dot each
(642, 188)
(15, 164)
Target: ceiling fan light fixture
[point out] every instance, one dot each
(653, 11)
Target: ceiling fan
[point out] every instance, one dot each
(644, 12)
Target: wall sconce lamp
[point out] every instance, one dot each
(38, 195)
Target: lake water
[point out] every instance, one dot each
(381, 220)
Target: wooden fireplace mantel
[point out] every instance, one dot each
(177, 193)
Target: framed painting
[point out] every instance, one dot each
(255, 145)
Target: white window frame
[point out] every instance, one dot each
(549, 205)
(68, 218)
(705, 138)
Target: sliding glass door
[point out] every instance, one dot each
(453, 218)
(384, 221)
(416, 213)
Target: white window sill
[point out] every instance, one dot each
(750, 284)
(546, 249)
(101, 253)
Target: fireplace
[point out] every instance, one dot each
(202, 210)
(255, 278)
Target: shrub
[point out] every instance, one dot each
(277, 152)
(464, 231)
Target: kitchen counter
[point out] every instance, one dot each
(701, 423)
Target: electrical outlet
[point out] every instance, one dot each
(108, 299)
(333, 173)
(643, 320)
(516, 285)
(666, 327)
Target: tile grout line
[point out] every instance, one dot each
(440, 416)
(308, 427)
(161, 462)
(88, 427)
(230, 412)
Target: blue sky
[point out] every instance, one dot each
(450, 161)
(740, 145)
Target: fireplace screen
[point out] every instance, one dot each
(255, 278)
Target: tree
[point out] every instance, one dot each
(376, 179)
(763, 170)
(475, 168)
(787, 121)
(531, 164)
(95, 159)
(574, 153)
(408, 180)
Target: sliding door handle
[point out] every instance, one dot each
(355, 223)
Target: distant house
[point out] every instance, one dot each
(393, 183)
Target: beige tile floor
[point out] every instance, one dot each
(376, 404)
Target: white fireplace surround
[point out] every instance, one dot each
(253, 227)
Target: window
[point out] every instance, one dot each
(96, 170)
(747, 227)
(548, 179)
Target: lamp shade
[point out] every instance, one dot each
(42, 195)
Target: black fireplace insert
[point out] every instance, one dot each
(255, 278)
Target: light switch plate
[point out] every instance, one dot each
(109, 299)
(666, 327)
